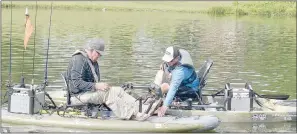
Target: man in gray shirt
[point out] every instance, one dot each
(83, 78)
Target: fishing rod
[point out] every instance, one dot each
(9, 75)
(28, 32)
(10, 46)
(33, 71)
(8, 85)
(48, 43)
(46, 62)
(22, 83)
(31, 92)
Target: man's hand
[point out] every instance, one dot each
(102, 86)
(162, 110)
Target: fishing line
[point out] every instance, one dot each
(34, 45)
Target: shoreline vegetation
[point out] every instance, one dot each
(265, 8)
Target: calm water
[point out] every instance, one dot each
(258, 50)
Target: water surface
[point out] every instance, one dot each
(258, 50)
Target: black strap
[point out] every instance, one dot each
(93, 71)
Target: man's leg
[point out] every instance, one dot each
(95, 97)
(159, 78)
(162, 76)
(127, 107)
(123, 105)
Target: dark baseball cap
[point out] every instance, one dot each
(97, 44)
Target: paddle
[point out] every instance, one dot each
(147, 87)
(268, 96)
(275, 96)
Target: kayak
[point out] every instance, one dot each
(271, 110)
(241, 116)
(236, 102)
(222, 128)
(154, 123)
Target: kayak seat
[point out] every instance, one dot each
(184, 94)
(202, 75)
(88, 107)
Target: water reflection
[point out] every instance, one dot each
(257, 50)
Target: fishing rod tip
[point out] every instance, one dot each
(26, 13)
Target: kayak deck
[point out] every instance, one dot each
(277, 112)
(240, 116)
(153, 124)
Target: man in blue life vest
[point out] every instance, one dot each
(177, 68)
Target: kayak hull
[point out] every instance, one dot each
(257, 127)
(270, 111)
(240, 116)
(153, 124)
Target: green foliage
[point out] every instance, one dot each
(164, 6)
(266, 8)
(220, 10)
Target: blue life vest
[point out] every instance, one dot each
(191, 79)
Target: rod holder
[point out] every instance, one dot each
(22, 84)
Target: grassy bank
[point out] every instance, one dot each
(266, 8)
(167, 6)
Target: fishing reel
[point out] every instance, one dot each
(127, 86)
(153, 89)
(153, 95)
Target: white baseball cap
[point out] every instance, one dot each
(170, 54)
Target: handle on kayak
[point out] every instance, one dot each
(126, 86)
(152, 88)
